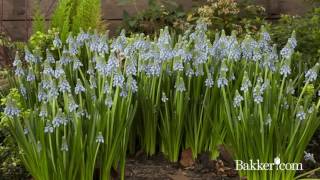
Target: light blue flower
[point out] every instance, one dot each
(179, 86)
(99, 138)
(48, 129)
(11, 110)
(285, 70)
(237, 100)
(108, 102)
(209, 81)
(64, 86)
(118, 80)
(222, 82)
(79, 87)
(57, 42)
(164, 98)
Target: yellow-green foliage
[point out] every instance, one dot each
(38, 25)
(88, 15)
(62, 16)
(73, 15)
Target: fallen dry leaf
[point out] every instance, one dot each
(186, 158)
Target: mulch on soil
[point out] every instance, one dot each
(158, 168)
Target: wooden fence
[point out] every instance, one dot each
(16, 15)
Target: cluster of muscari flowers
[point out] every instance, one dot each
(126, 58)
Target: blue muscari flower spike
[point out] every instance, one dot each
(234, 49)
(72, 104)
(292, 42)
(11, 110)
(309, 157)
(164, 98)
(248, 46)
(82, 37)
(189, 71)
(124, 92)
(48, 128)
(50, 57)
(118, 80)
(23, 90)
(17, 60)
(312, 74)
(47, 69)
(112, 64)
(99, 138)
(246, 83)
(132, 85)
(103, 46)
(93, 43)
(119, 43)
(178, 66)
(285, 70)
(57, 42)
(179, 86)
(42, 96)
(164, 38)
(258, 91)
(131, 68)
(301, 115)
(59, 119)
(65, 57)
(59, 72)
(93, 82)
(286, 52)
(237, 99)
(64, 85)
(53, 92)
(79, 87)
(222, 82)
(31, 76)
(209, 81)
(19, 72)
(26, 131)
(102, 66)
(70, 39)
(199, 70)
(43, 111)
(77, 64)
(108, 101)
(73, 49)
(257, 54)
(106, 88)
(28, 56)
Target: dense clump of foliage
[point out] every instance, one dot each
(73, 109)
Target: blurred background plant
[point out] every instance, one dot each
(70, 16)
(307, 29)
(242, 16)
(160, 13)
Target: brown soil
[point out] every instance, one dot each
(158, 168)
